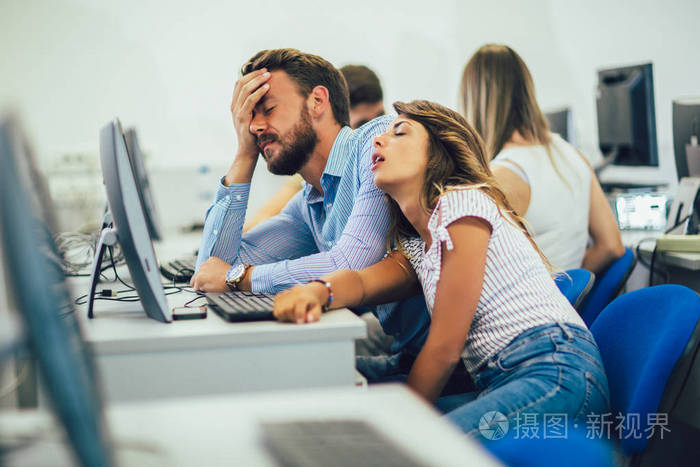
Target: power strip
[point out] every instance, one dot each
(677, 242)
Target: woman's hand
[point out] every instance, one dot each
(301, 304)
(389, 280)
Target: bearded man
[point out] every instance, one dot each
(292, 107)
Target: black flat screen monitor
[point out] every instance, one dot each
(560, 122)
(686, 124)
(142, 183)
(36, 285)
(626, 116)
(130, 223)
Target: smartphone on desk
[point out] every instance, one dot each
(189, 312)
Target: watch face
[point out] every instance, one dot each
(235, 272)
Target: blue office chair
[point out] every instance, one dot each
(576, 449)
(607, 286)
(642, 336)
(575, 285)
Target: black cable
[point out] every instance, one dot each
(172, 290)
(179, 272)
(678, 223)
(82, 300)
(198, 297)
(651, 264)
(637, 249)
(651, 267)
(666, 274)
(116, 274)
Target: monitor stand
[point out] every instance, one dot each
(108, 237)
(608, 159)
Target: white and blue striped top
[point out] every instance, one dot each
(315, 234)
(518, 293)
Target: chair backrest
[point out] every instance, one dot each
(607, 286)
(641, 336)
(575, 285)
(681, 401)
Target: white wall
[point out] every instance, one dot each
(169, 67)
(598, 34)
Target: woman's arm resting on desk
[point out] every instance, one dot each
(607, 244)
(458, 292)
(389, 280)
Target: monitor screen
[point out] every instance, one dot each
(130, 222)
(643, 211)
(560, 123)
(626, 115)
(36, 285)
(686, 125)
(142, 183)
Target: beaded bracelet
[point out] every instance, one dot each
(330, 292)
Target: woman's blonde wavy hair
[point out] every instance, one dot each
(497, 97)
(456, 157)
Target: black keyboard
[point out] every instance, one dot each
(179, 270)
(339, 443)
(242, 306)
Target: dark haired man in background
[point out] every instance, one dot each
(366, 96)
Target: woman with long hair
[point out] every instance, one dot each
(546, 180)
(493, 300)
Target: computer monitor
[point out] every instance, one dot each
(142, 183)
(560, 122)
(36, 285)
(129, 227)
(626, 116)
(686, 124)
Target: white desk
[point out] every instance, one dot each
(681, 268)
(141, 359)
(216, 431)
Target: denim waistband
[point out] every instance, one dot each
(568, 329)
(569, 336)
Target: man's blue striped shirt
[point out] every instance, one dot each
(315, 234)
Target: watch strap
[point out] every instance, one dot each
(234, 283)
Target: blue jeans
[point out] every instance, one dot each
(552, 369)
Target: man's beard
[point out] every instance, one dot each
(297, 147)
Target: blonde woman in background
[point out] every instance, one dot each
(546, 180)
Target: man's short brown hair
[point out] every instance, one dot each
(307, 71)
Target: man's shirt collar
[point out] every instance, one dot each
(335, 164)
(339, 155)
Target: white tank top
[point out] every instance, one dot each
(559, 205)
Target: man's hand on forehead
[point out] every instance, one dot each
(247, 94)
